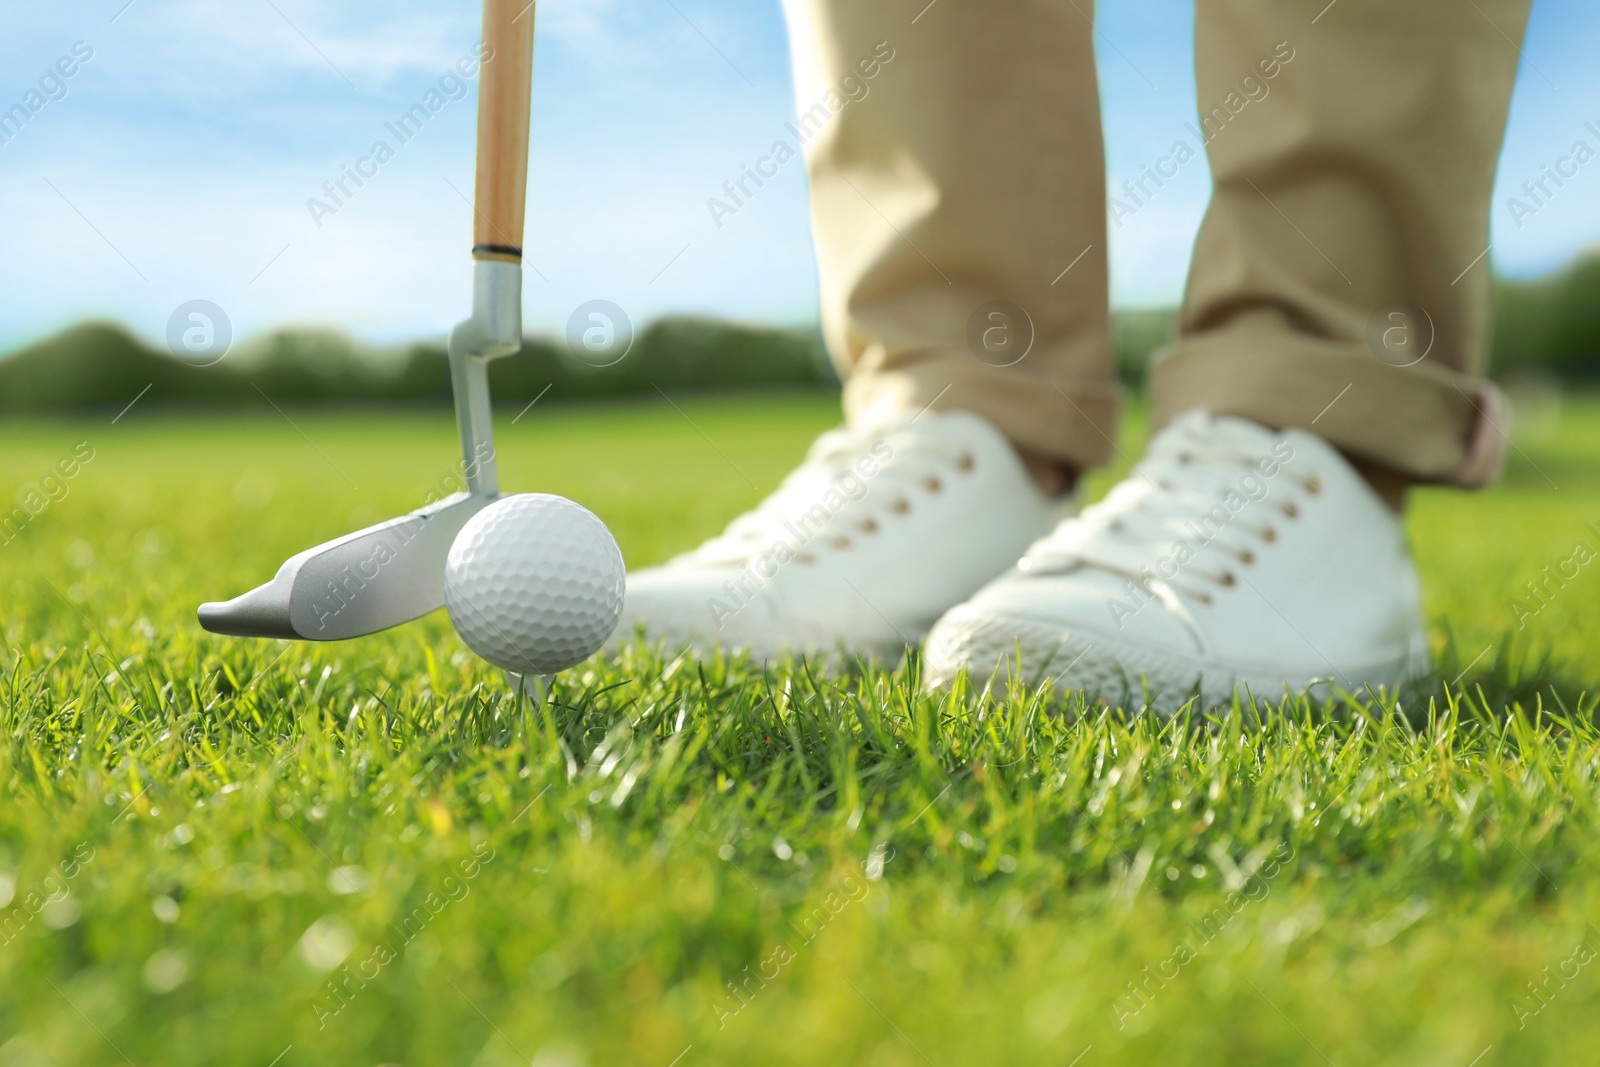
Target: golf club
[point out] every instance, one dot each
(394, 572)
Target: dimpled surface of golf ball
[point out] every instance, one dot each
(534, 583)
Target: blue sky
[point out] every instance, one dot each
(178, 164)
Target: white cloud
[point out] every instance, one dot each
(371, 44)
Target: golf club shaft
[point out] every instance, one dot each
(495, 328)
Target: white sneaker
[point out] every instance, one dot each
(861, 548)
(1232, 558)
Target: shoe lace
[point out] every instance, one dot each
(1196, 510)
(835, 495)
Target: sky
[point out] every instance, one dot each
(176, 162)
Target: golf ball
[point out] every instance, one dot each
(534, 583)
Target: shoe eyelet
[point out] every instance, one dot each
(966, 462)
(867, 526)
(841, 542)
(900, 506)
(1204, 598)
(932, 484)
(1227, 579)
(1246, 557)
(1291, 509)
(1269, 535)
(1314, 485)
(805, 557)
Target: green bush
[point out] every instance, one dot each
(1137, 335)
(1548, 326)
(101, 364)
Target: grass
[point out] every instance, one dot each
(259, 853)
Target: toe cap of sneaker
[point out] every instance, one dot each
(1086, 624)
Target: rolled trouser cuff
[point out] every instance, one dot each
(1424, 421)
(1059, 417)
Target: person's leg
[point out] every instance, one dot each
(1331, 340)
(958, 202)
(1339, 282)
(971, 173)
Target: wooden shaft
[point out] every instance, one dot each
(504, 104)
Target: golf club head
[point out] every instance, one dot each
(357, 584)
(393, 572)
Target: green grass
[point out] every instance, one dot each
(193, 828)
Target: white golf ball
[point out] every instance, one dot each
(534, 583)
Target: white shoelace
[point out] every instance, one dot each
(828, 501)
(1207, 499)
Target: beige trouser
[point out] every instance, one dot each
(1338, 281)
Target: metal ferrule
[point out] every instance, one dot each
(494, 330)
